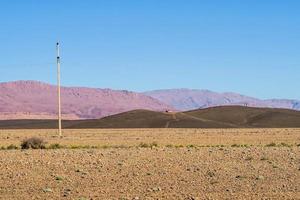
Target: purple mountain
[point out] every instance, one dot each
(187, 99)
(37, 100)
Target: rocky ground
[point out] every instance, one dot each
(173, 172)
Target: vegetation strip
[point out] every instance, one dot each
(141, 145)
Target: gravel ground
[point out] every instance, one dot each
(151, 173)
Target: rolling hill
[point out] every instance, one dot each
(216, 117)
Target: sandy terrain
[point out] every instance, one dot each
(168, 171)
(133, 137)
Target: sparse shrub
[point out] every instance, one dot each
(260, 177)
(33, 143)
(284, 144)
(210, 174)
(190, 146)
(274, 166)
(12, 147)
(154, 144)
(298, 145)
(271, 145)
(249, 158)
(264, 158)
(245, 145)
(122, 146)
(214, 182)
(78, 170)
(59, 178)
(47, 190)
(169, 145)
(2, 148)
(235, 145)
(55, 146)
(240, 177)
(75, 147)
(146, 145)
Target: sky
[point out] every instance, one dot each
(250, 47)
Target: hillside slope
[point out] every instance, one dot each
(250, 117)
(217, 117)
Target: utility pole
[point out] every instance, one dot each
(58, 90)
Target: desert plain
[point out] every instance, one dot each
(141, 164)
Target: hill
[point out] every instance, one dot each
(250, 117)
(216, 117)
(187, 99)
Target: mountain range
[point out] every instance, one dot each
(37, 100)
(187, 99)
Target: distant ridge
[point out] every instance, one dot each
(187, 99)
(216, 117)
(37, 100)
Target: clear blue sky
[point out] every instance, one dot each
(250, 46)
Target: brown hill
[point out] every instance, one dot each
(148, 119)
(217, 117)
(250, 117)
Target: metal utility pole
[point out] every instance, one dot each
(58, 90)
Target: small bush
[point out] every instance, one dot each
(154, 144)
(59, 178)
(190, 146)
(122, 146)
(55, 146)
(240, 177)
(75, 147)
(264, 158)
(245, 145)
(271, 145)
(249, 158)
(12, 147)
(145, 145)
(33, 143)
(285, 144)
